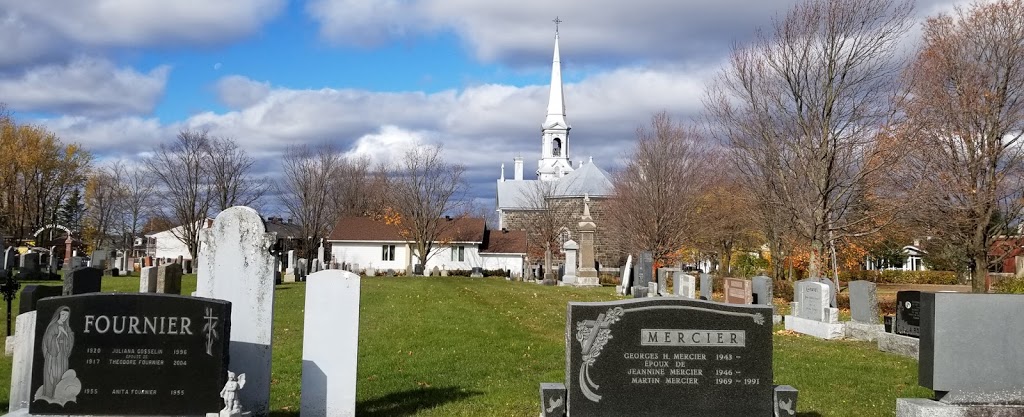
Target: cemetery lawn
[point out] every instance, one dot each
(480, 347)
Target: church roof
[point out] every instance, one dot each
(588, 179)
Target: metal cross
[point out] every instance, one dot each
(557, 21)
(10, 290)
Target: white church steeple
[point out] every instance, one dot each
(554, 162)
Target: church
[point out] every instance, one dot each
(548, 207)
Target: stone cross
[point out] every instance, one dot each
(595, 327)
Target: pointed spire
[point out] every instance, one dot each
(556, 104)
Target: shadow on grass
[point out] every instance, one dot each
(808, 414)
(407, 403)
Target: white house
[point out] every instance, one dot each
(464, 244)
(166, 245)
(912, 260)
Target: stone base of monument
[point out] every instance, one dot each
(899, 344)
(23, 412)
(863, 331)
(9, 346)
(923, 407)
(289, 277)
(587, 282)
(819, 329)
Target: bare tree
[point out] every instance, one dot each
(179, 169)
(805, 111)
(137, 192)
(543, 222)
(103, 203)
(424, 188)
(653, 194)
(358, 189)
(230, 171)
(967, 103)
(306, 190)
(726, 216)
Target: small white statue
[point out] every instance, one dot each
(232, 406)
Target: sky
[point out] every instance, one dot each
(371, 77)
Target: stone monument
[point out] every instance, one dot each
(587, 276)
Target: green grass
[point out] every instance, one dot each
(479, 347)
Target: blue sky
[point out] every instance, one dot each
(372, 77)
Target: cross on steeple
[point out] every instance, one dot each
(557, 21)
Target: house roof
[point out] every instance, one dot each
(504, 241)
(465, 229)
(588, 179)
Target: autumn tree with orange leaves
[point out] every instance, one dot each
(967, 108)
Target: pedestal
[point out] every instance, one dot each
(923, 407)
(898, 344)
(819, 329)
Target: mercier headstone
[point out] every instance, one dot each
(329, 357)
(83, 280)
(235, 264)
(976, 368)
(669, 356)
(738, 291)
(134, 354)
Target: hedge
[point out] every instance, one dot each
(901, 277)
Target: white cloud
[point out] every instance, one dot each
(388, 145)
(43, 30)
(237, 92)
(85, 86)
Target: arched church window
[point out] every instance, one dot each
(556, 147)
(563, 236)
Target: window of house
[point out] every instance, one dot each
(389, 252)
(458, 253)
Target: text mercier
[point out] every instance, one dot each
(138, 325)
(688, 337)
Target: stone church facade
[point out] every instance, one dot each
(553, 202)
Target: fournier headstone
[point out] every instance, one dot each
(669, 357)
(329, 357)
(235, 264)
(129, 354)
(738, 291)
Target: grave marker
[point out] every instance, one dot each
(235, 264)
(863, 302)
(329, 357)
(738, 291)
(908, 313)
(762, 290)
(83, 280)
(168, 279)
(685, 285)
(707, 286)
(136, 354)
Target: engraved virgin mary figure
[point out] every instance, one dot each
(60, 384)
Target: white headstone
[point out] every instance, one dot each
(626, 279)
(235, 264)
(330, 346)
(21, 368)
(147, 279)
(686, 285)
(570, 247)
(813, 301)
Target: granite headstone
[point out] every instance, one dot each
(908, 313)
(738, 291)
(863, 302)
(83, 280)
(762, 289)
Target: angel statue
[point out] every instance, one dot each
(232, 407)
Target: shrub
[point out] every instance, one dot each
(748, 265)
(901, 277)
(783, 290)
(1010, 286)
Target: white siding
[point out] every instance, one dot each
(168, 246)
(370, 255)
(442, 257)
(509, 261)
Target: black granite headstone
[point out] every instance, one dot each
(552, 400)
(908, 313)
(130, 354)
(31, 294)
(83, 280)
(644, 269)
(669, 357)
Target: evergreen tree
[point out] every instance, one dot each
(72, 211)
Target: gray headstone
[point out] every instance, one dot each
(147, 279)
(168, 279)
(968, 353)
(686, 285)
(83, 280)
(552, 399)
(187, 266)
(30, 262)
(863, 302)
(813, 301)
(329, 357)
(762, 287)
(31, 294)
(235, 264)
(831, 291)
(435, 271)
(707, 286)
(9, 257)
(663, 281)
(644, 269)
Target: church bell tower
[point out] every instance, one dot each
(554, 162)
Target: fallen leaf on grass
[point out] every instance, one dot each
(423, 384)
(788, 333)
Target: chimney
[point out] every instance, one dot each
(519, 168)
